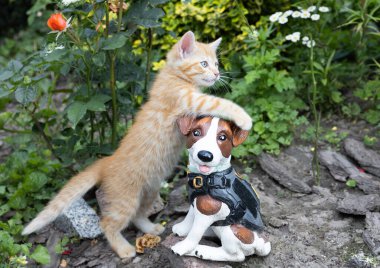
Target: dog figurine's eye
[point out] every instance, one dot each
(204, 64)
(222, 137)
(196, 133)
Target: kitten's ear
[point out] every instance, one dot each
(239, 135)
(216, 43)
(184, 123)
(186, 44)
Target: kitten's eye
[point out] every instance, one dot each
(222, 137)
(204, 64)
(196, 133)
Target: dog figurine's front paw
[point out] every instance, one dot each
(180, 229)
(183, 247)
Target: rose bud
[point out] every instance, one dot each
(57, 22)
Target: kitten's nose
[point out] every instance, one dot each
(205, 156)
(216, 74)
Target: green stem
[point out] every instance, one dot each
(120, 15)
(317, 117)
(148, 59)
(15, 131)
(113, 95)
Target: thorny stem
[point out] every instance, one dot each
(148, 59)
(317, 117)
(112, 58)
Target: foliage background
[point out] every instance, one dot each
(64, 102)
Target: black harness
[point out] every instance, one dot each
(236, 193)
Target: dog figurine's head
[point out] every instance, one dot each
(209, 141)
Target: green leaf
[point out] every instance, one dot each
(15, 65)
(6, 75)
(96, 103)
(55, 55)
(99, 59)
(336, 96)
(76, 112)
(41, 255)
(259, 127)
(351, 183)
(252, 76)
(25, 95)
(18, 201)
(116, 41)
(35, 181)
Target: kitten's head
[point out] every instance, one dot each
(194, 61)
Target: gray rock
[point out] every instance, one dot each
(359, 204)
(368, 159)
(178, 202)
(360, 261)
(292, 168)
(342, 169)
(371, 235)
(79, 219)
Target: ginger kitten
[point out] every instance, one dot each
(130, 178)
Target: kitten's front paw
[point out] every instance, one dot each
(244, 121)
(158, 229)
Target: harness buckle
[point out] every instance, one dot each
(198, 182)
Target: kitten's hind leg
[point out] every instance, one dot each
(116, 214)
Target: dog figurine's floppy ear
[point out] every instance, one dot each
(184, 123)
(239, 135)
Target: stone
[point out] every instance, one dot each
(79, 219)
(342, 169)
(178, 202)
(292, 168)
(371, 234)
(360, 260)
(276, 222)
(368, 159)
(359, 204)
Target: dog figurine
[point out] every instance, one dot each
(219, 198)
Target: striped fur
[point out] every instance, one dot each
(130, 179)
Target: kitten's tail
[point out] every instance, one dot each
(73, 190)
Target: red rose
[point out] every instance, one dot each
(57, 22)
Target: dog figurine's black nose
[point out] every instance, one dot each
(205, 156)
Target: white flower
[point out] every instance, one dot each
(305, 39)
(315, 17)
(305, 14)
(254, 34)
(283, 20)
(310, 43)
(324, 9)
(69, 2)
(296, 14)
(274, 17)
(311, 8)
(288, 13)
(294, 37)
